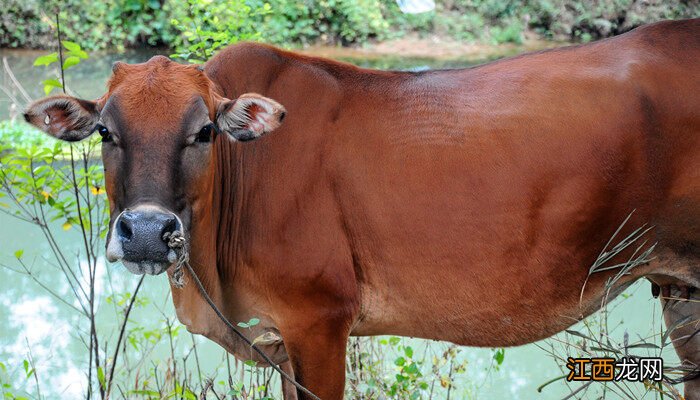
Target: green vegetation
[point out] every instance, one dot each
(205, 28)
(135, 23)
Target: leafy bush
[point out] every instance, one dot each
(27, 23)
(95, 25)
(328, 21)
(501, 21)
(207, 27)
(21, 24)
(579, 20)
(511, 33)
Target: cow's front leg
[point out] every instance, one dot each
(317, 354)
(289, 391)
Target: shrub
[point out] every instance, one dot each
(205, 27)
(129, 23)
(578, 20)
(327, 21)
(95, 25)
(21, 25)
(511, 33)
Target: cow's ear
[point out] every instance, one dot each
(63, 117)
(249, 116)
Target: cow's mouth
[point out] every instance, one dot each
(138, 238)
(146, 267)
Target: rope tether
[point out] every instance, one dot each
(176, 241)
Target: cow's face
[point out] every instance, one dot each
(157, 121)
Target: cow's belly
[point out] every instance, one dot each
(489, 314)
(490, 257)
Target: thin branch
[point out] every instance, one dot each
(121, 335)
(15, 81)
(60, 54)
(33, 365)
(43, 286)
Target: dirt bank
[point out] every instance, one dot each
(433, 47)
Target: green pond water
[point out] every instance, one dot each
(31, 319)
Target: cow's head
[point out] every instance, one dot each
(157, 121)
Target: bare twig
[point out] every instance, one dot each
(122, 329)
(34, 371)
(60, 54)
(14, 80)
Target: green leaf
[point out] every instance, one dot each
(71, 46)
(253, 322)
(19, 253)
(101, 376)
(412, 369)
(71, 61)
(408, 351)
(400, 361)
(499, 356)
(51, 84)
(46, 60)
(80, 54)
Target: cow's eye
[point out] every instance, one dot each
(204, 134)
(104, 133)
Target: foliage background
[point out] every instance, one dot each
(137, 23)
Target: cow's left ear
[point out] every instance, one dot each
(249, 116)
(64, 117)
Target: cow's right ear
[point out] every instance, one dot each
(64, 117)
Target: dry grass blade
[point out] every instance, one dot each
(607, 255)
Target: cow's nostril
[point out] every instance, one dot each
(141, 234)
(169, 226)
(124, 229)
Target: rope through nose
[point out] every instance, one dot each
(176, 242)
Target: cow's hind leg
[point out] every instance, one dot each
(681, 308)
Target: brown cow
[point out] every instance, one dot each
(462, 205)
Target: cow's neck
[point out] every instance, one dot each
(218, 243)
(214, 248)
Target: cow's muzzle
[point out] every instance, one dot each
(139, 239)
